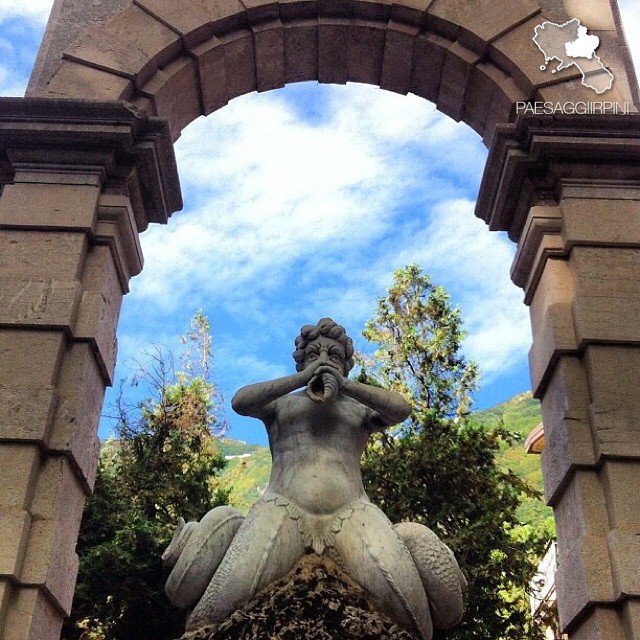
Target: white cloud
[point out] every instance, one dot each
(37, 10)
(281, 191)
(630, 11)
(293, 216)
(296, 220)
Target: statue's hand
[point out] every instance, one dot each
(310, 371)
(327, 368)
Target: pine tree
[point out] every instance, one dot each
(439, 468)
(161, 465)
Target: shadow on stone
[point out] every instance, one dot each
(315, 601)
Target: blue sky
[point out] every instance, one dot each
(299, 204)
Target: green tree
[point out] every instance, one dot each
(440, 468)
(161, 465)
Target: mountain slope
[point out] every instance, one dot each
(247, 472)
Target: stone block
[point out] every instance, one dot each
(100, 307)
(132, 44)
(301, 52)
(551, 320)
(19, 466)
(595, 13)
(50, 561)
(40, 255)
(333, 42)
(117, 229)
(489, 99)
(240, 64)
(631, 617)
(365, 52)
(261, 11)
(175, 90)
(373, 10)
(5, 593)
(330, 9)
(32, 616)
(622, 490)
(572, 90)
(456, 71)
(15, 525)
(599, 270)
(602, 623)
(516, 53)
(26, 412)
(613, 53)
(601, 222)
(543, 223)
(73, 80)
(607, 301)
(567, 428)
(49, 206)
(269, 47)
(189, 18)
(398, 58)
(299, 12)
(30, 358)
(37, 303)
(624, 550)
(212, 71)
(483, 20)
(580, 511)
(226, 15)
(428, 62)
(75, 422)
(614, 375)
(583, 579)
(553, 336)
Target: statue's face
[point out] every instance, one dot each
(329, 351)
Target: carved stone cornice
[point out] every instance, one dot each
(532, 159)
(111, 143)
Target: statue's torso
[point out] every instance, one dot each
(316, 451)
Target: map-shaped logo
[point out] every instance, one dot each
(570, 44)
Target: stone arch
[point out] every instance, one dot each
(86, 163)
(183, 59)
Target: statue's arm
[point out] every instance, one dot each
(254, 399)
(390, 406)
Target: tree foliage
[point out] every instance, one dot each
(162, 465)
(440, 468)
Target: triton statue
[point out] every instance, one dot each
(318, 423)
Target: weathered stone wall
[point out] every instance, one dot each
(81, 179)
(69, 221)
(578, 262)
(182, 59)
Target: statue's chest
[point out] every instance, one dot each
(301, 414)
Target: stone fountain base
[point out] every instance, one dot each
(316, 601)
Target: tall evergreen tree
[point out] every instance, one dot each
(161, 465)
(439, 468)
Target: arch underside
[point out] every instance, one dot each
(474, 61)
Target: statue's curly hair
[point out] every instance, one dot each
(325, 327)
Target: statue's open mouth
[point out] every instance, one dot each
(322, 388)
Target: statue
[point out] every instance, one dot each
(318, 422)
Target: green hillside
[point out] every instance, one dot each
(520, 415)
(248, 467)
(246, 473)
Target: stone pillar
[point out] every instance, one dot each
(568, 190)
(79, 181)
